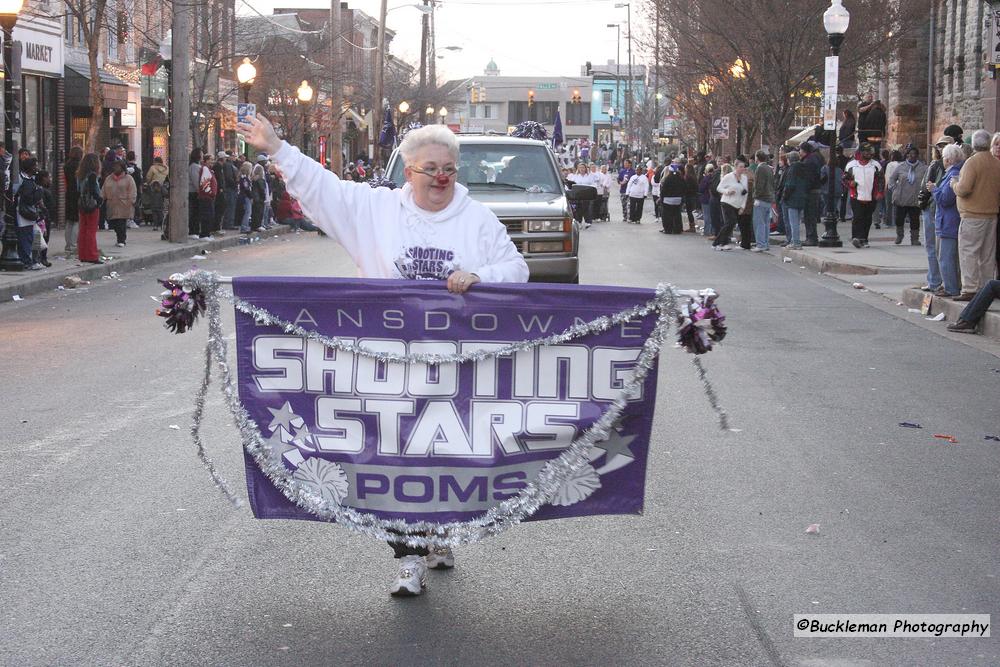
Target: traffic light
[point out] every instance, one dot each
(531, 98)
(482, 94)
(590, 69)
(474, 95)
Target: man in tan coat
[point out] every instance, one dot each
(978, 190)
(118, 193)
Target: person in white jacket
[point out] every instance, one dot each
(583, 211)
(430, 229)
(734, 188)
(637, 191)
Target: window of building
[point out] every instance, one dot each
(578, 114)
(110, 10)
(606, 100)
(70, 31)
(542, 112)
(808, 109)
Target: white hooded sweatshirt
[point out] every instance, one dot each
(389, 236)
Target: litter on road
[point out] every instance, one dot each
(812, 529)
(936, 318)
(17, 297)
(947, 438)
(995, 438)
(858, 285)
(910, 425)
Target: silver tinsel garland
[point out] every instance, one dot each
(494, 521)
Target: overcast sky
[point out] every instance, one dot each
(525, 37)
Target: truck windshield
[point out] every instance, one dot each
(501, 166)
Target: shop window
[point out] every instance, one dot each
(542, 112)
(578, 113)
(30, 115)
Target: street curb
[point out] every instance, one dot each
(823, 265)
(989, 326)
(52, 278)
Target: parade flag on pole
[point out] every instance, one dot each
(387, 137)
(444, 442)
(557, 131)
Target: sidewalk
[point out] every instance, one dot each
(893, 271)
(144, 248)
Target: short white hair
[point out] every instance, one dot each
(952, 154)
(429, 135)
(981, 140)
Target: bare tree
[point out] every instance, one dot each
(90, 16)
(758, 55)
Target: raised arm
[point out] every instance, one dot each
(335, 206)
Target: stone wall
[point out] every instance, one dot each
(959, 73)
(960, 77)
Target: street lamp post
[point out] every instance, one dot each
(404, 108)
(305, 93)
(9, 259)
(618, 78)
(442, 114)
(629, 102)
(836, 20)
(245, 74)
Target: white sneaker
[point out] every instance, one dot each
(194, 236)
(728, 246)
(119, 245)
(758, 249)
(440, 558)
(410, 578)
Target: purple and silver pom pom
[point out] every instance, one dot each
(382, 183)
(530, 129)
(700, 324)
(181, 304)
(412, 126)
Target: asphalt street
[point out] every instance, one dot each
(116, 549)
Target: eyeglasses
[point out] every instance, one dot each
(434, 172)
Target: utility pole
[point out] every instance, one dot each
(431, 54)
(656, 78)
(376, 152)
(336, 142)
(180, 117)
(424, 34)
(628, 88)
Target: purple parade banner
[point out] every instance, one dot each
(441, 442)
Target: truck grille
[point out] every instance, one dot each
(513, 226)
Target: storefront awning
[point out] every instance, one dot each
(358, 120)
(78, 88)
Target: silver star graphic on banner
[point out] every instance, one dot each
(616, 444)
(279, 448)
(304, 439)
(285, 417)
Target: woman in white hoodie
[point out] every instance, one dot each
(389, 233)
(430, 229)
(733, 187)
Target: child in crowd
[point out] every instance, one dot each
(43, 226)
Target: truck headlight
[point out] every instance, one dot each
(545, 246)
(545, 225)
